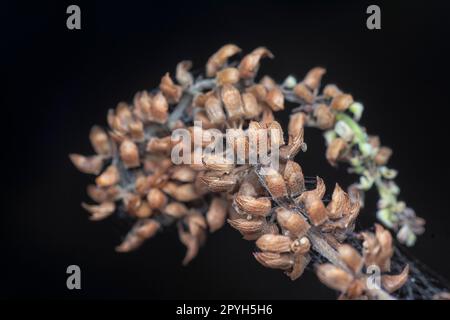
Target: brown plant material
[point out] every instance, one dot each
(275, 99)
(218, 59)
(250, 63)
(253, 206)
(304, 93)
(216, 214)
(232, 101)
(171, 91)
(382, 156)
(101, 211)
(324, 117)
(129, 154)
(90, 165)
(335, 150)
(227, 76)
(313, 77)
(341, 102)
(294, 224)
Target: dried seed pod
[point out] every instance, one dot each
(275, 99)
(97, 194)
(218, 59)
(340, 203)
(383, 155)
(275, 133)
(200, 98)
(159, 109)
(314, 206)
(324, 117)
(191, 243)
(109, 177)
(392, 283)
(275, 183)
(218, 163)
(301, 246)
(142, 230)
(377, 249)
(227, 76)
(275, 260)
(159, 144)
(251, 107)
(247, 226)
(184, 193)
(183, 174)
(313, 77)
(136, 128)
(274, 243)
(219, 184)
(300, 263)
(335, 150)
(143, 211)
(183, 76)
(231, 98)
(100, 141)
(294, 178)
(259, 91)
(129, 154)
(101, 211)
(156, 198)
(341, 102)
(176, 210)
(331, 91)
(334, 277)
(268, 82)
(250, 63)
(216, 214)
(292, 222)
(254, 206)
(304, 93)
(171, 91)
(90, 165)
(351, 258)
(296, 124)
(213, 108)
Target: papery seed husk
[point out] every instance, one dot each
(109, 177)
(129, 153)
(335, 150)
(97, 194)
(251, 107)
(191, 243)
(324, 117)
(216, 214)
(183, 174)
(171, 91)
(136, 128)
(304, 93)
(315, 208)
(259, 91)
(275, 99)
(143, 211)
(296, 124)
(142, 105)
(231, 98)
(156, 198)
(275, 183)
(334, 277)
(341, 102)
(176, 210)
(292, 222)
(274, 243)
(254, 206)
(219, 184)
(276, 133)
(130, 243)
(218, 59)
(183, 76)
(213, 108)
(218, 163)
(159, 144)
(339, 204)
(244, 225)
(301, 246)
(351, 258)
(293, 175)
(331, 91)
(101, 211)
(89, 165)
(313, 77)
(147, 228)
(227, 76)
(383, 156)
(268, 82)
(159, 110)
(202, 116)
(275, 260)
(100, 141)
(300, 263)
(392, 283)
(249, 65)
(186, 192)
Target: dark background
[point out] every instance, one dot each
(58, 83)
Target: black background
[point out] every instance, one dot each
(58, 83)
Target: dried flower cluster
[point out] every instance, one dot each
(337, 114)
(277, 208)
